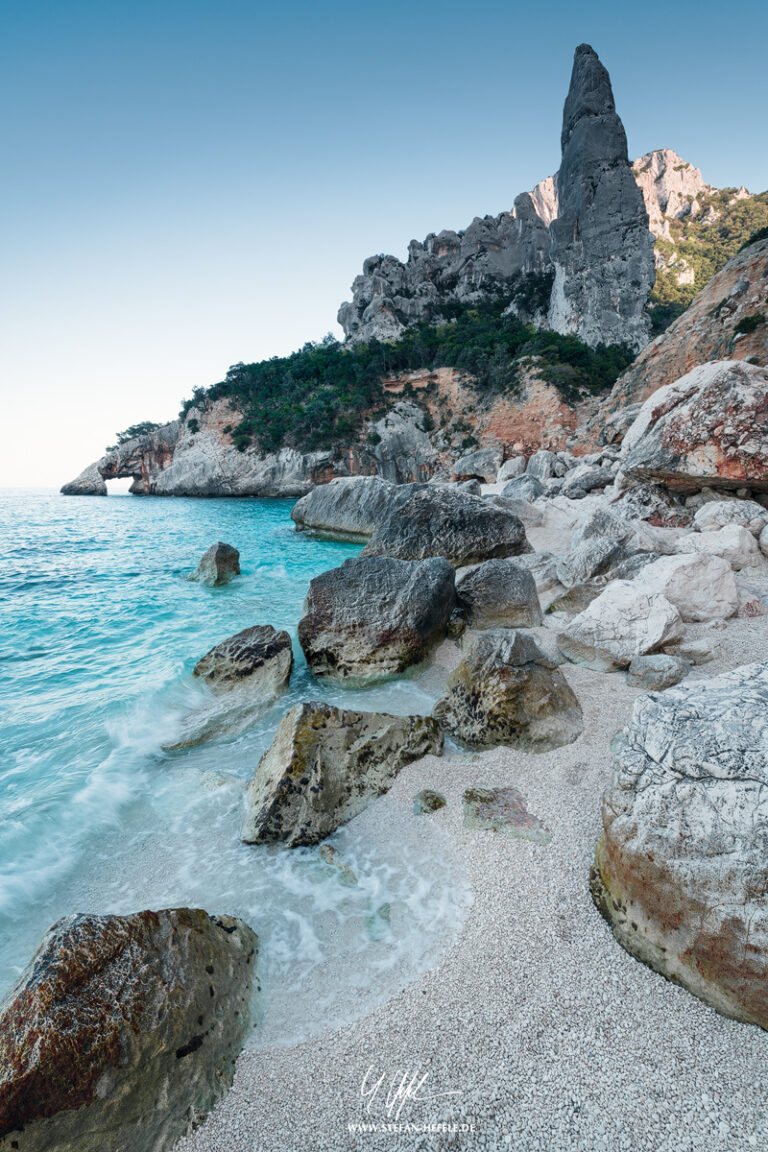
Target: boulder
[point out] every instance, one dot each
(695, 651)
(506, 691)
(590, 559)
(701, 587)
(348, 508)
(584, 480)
(482, 465)
(721, 513)
(735, 544)
(499, 593)
(258, 658)
(654, 673)
(218, 565)
(680, 870)
(524, 488)
(445, 522)
(428, 801)
(324, 766)
(542, 465)
(375, 615)
(703, 430)
(621, 624)
(543, 567)
(511, 468)
(763, 541)
(123, 1031)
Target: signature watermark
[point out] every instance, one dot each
(387, 1095)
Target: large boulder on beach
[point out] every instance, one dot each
(375, 615)
(350, 507)
(506, 691)
(622, 623)
(721, 513)
(218, 565)
(258, 658)
(324, 766)
(499, 594)
(703, 430)
(681, 870)
(734, 543)
(701, 587)
(481, 465)
(441, 521)
(123, 1031)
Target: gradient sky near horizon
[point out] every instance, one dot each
(189, 184)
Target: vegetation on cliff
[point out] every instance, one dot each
(706, 241)
(321, 394)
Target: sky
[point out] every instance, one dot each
(188, 185)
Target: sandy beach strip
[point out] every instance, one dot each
(551, 1036)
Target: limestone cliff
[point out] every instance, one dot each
(728, 320)
(574, 254)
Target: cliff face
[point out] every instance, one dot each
(574, 254)
(728, 320)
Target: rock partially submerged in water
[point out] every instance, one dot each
(259, 658)
(427, 801)
(375, 616)
(350, 507)
(499, 594)
(218, 565)
(506, 691)
(325, 765)
(444, 521)
(123, 1031)
(680, 872)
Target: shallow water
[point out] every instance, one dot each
(99, 631)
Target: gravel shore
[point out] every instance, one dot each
(552, 1037)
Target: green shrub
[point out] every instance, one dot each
(748, 324)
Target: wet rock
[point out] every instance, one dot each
(680, 871)
(427, 801)
(506, 691)
(503, 810)
(218, 565)
(123, 1031)
(621, 624)
(654, 673)
(324, 766)
(499, 593)
(445, 522)
(259, 658)
(375, 615)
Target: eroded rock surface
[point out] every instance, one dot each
(259, 658)
(325, 765)
(218, 565)
(506, 691)
(123, 1031)
(375, 615)
(680, 872)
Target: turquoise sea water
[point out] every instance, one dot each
(99, 631)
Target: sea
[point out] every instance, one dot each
(100, 628)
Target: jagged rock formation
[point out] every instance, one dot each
(728, 320)
(670, 187)
(602, 250)
(575, 254)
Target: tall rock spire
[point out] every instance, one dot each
(602, 250)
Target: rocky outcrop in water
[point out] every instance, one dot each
(259, 658)
(218, 565)
(375, 616)
(324, 766)
(123, 1031)
(575, 254)
(680, 871)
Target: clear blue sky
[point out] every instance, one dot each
(190, 184)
